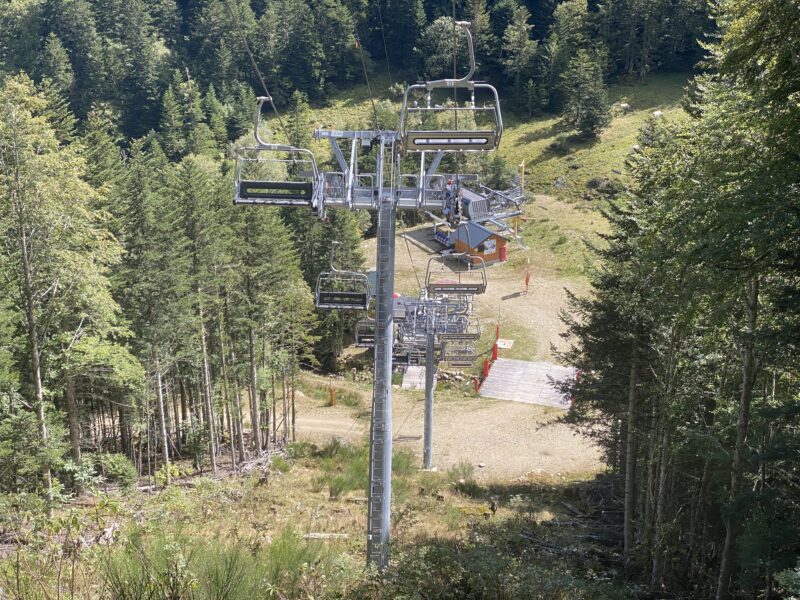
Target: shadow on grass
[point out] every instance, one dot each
(564, 145)
(557, 554)
(541, 134)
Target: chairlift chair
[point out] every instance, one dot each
(342, 290)
(459, 287)
(459, 327)
(365, 333)
(460, 353)
(276, 174)
(415, 139)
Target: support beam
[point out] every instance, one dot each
(430, 384)
(380, 460)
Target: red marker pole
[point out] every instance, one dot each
(497, 332)
(494, 352)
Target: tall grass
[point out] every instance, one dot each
(345, 468)
(173, 567)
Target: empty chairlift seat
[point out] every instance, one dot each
(434, 127)
(365, 333)
(465, 280)
(276, 174)
(458, 327)
(344, 290)
(460, 353)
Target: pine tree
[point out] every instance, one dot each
(54, 64)
(172, 126)
(57, 111)
(216, 117)
(56, 249)
(519, 49)
(587, 107)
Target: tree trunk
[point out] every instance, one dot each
(36, 369)
(254, 411)
(661, 499)
(294, 412)
(163, 421)
(630, 460)
(212, 429)
(231, 436)
(73, 419)
(727, 562)
(274, 411)
(176, 416)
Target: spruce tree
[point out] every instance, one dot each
(587, 108)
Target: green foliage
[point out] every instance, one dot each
(175, 471)
(19, 465)
(461, 477)
(345, 468)
(496, 567)
(117, 468)
(169, 566)
(281, 465)
(520, 49)
(587, 107)
(790, 581)
(82, 475)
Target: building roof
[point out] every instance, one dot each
(473, 234)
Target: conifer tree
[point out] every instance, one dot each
(57, 252)
(587, 108)
(55, 65)
(519, 49)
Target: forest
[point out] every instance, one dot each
(149, 327)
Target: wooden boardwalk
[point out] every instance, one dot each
(529, 382)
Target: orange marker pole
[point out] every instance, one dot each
(332, 393)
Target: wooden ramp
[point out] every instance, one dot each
(529, 382)
(414, 378)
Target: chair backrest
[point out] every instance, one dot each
(449, 139)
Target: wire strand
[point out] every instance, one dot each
(366, 77)
(385, 49)
(246, 45)
(411, 258)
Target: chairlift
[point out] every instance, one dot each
(459, 327)
(365, 333)
(422, 139)
(460, 353)
(276, 174)
(343, 290)
(458, 285)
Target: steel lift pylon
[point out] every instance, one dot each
(295, 180)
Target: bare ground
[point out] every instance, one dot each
(511, 440)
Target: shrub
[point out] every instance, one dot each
(179, 568)
(462, 478)
(117, 468)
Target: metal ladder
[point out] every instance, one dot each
(380, 460)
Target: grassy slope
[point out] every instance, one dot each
(556, 225)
